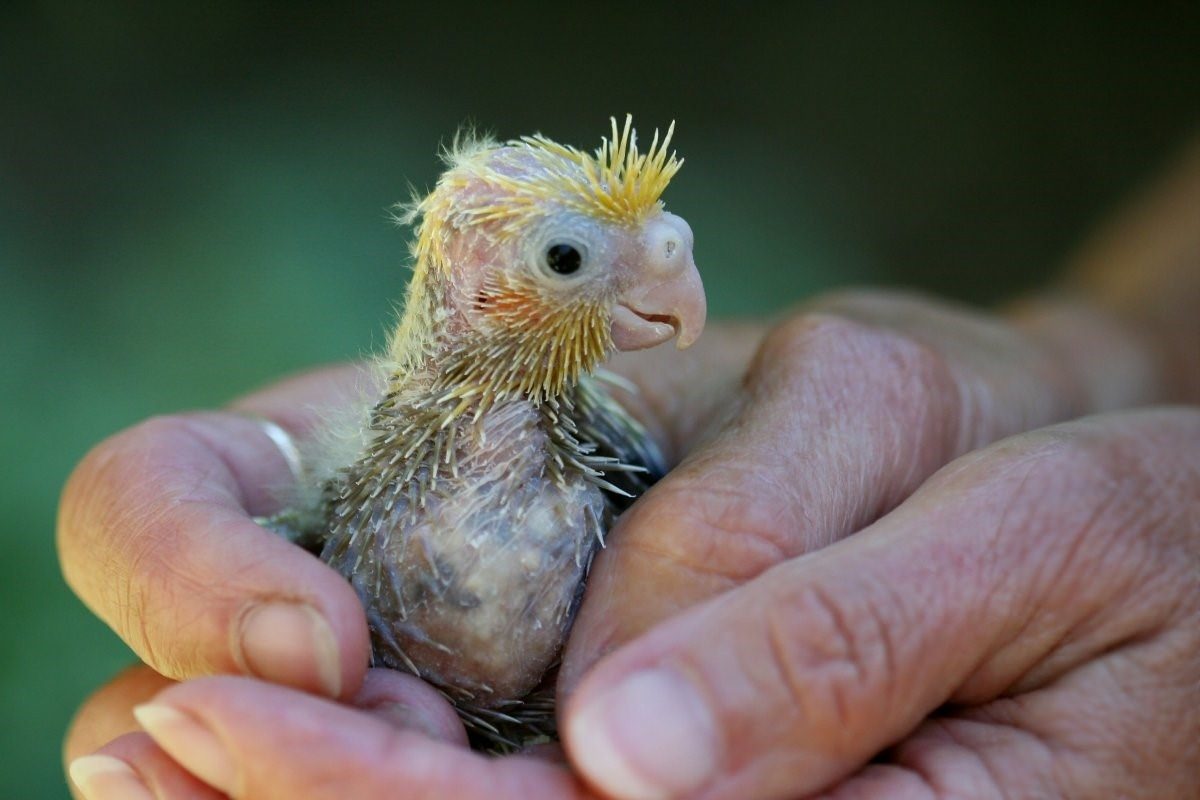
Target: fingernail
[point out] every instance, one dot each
(289, 643)
(650, 737)
(187, 741)
(101, 777)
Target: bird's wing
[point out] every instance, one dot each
(603, 421)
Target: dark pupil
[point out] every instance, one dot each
(563, 259)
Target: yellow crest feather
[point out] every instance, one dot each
(514, 184)
(619, 183)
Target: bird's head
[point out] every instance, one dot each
(541, 259)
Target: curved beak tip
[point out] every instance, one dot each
(690, 310)
(689, 324)
(665, 296)
(637, 327)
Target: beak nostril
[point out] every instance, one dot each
(666, 246)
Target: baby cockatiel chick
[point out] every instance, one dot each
(480, 484)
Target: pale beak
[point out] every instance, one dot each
(664, 297)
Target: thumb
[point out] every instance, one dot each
(798, 678)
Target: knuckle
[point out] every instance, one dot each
(818, 336)
(901, 388)
(1046, 495)
(849, 354)
(90, 500)
(143, 607)
(1068, 464)
(1101, 496)
(791, 340)
(1187, 417)
(833, 663)
(117, 548)
(1146, 447)
(838, 338)
(1076, 465)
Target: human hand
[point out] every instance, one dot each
(1027, 624)
(156, 536)
(190, 575)
(237, 737)
(843, 411)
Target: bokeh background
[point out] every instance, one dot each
(193, 197)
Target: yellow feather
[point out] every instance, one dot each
(513, 185)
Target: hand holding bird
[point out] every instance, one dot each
(465, 504)
(792, 650)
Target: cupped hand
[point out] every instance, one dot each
(217, 737)
(1027, 624)
(156, 535)
(842, 413)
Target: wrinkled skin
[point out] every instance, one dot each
(844, 594)
(845, 591)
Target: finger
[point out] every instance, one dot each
(133, 767)
(292, 412)
(302, 402)
(839, 420)
(155, 536)
(105, 729)
(108, 713)
(110, 756)
(1109, 728)
(678, 394)
(107, 756)
(888, 782)
(401, 699)
(985, 581)
(242, 737)
(408, 703)
(960, 757)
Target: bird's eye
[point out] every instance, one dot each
(563, 259)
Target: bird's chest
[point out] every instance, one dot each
(469, 561)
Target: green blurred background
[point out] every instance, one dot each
(193, 197)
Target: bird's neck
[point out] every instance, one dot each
(531, 347)
(448, 378)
